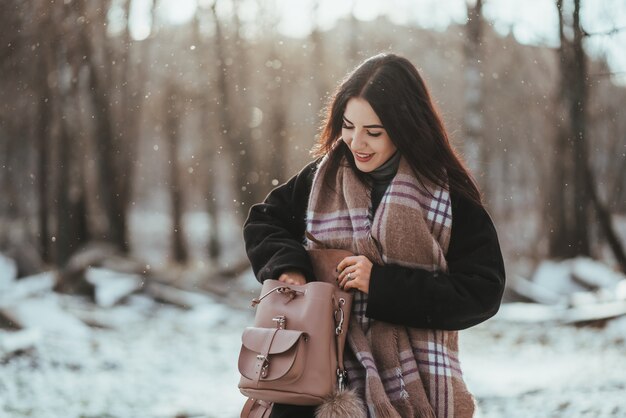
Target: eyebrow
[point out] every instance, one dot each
(366, 126)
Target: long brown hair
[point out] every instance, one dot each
(398, 95)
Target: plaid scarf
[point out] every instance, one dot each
(398, 371)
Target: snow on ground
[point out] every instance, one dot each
(539, 370)
(162, 361)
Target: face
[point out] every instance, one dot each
(364, 134)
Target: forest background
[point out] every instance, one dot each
(207, 116)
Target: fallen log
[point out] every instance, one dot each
(595, 275)
(535, 292)
(538, 313)
(177, 297)
(112, 286)
(593, 312)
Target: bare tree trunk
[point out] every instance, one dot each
(8, 158)
(235, 146)
(108, 169)
(214, 244)
(278, 129)
(65, 233)
(208, 147)
(172, 122)
(604, 218)
(133, 79)
(353, 47)
(474, 146)
(68, 187)
(43, 137)
(106, 161)
(241, 106)
(578, 119)
(318, 63)
(571, 236)
(619, 189)
(559, 232)
(575, 177)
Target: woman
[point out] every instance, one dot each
(389, 187)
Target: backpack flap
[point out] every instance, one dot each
(269, 354)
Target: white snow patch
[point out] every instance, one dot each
(45, 314)
(556, 277)
(8, 272)
(111, 286)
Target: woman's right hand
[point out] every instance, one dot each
(292, 277)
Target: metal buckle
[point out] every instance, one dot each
(342, 376)
(339, 310)
(265, 365)
(281, 321)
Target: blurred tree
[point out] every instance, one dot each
(574, 186)
(130, 85)
(354, 52)
(44, 123)
(209, 142)
(235, 143)
(114, 172)
(20, 66)
(242, 102)
(62, 186)
(277, 87)
(173, 110)
(318, 60)
(75, 86)
(569, 195)
(476, 150)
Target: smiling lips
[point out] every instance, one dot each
(363, 157)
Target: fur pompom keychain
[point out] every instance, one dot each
(343, 403)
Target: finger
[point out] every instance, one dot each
(347, 261)
(342, 283)
(344, 280)
(348, 270)
(341, 280)
(351, 284)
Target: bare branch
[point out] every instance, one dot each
(608, 74)
(610, 32)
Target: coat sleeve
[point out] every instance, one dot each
(274, 231)
(469, 293)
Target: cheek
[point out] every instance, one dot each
(387, 146)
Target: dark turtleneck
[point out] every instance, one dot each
(381, 177)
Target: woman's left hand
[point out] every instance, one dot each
(354, 273)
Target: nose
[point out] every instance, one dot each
(358, 139)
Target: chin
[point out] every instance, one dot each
(364, 169)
